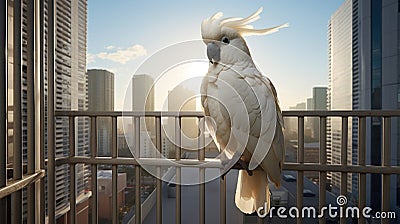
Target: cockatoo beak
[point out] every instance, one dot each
(213, 52)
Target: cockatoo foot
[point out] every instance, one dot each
(242, 165)
(239, 165)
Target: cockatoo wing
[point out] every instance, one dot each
(223, 106)
(272, 163)
(265, 137)
(263, 129)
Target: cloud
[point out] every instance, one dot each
(90, 58)
(121, 56)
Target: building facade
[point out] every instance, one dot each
(340, 86)
(101, 98)
(143, 100)
(70, 94)
(369, 80)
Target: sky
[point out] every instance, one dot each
(125, 36)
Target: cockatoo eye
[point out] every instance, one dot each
(225, 40)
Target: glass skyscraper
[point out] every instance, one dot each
(370, 67)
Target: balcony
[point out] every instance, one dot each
(29, 187)
(201, 163)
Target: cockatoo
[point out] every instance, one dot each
(241, 109)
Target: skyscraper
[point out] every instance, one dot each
(364, 75)
(143, 100)
(101, 98)
(71, 91)
(340, 85)
(183, 99)
(142, 93)
(318, 103)
(70, 94)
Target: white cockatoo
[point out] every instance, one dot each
(241, 109)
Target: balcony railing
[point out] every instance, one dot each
(15, 185)
(362, 169)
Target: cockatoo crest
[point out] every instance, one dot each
(240, 25)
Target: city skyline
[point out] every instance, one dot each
(135, 31)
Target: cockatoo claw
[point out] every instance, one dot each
(242, 165)
(239, 165)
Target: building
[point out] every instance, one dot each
(319, 101)
(70, 94)
(290, 130)
(319, 98)
(340, 85)
(101, 98)
(143, 101)
(142, 93)
(104, 178)
(364, 68)
(183, 99)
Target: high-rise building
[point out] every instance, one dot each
(142, 93)
(340, 86)
(318, 103)
(70, 91)
(143, 100)
(183, 99)
(101, 98)
(364, 75)
(291, 122)
(319, 98)
(70, 94)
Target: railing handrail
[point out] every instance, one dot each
(286, 113)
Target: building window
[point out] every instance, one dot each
(398, 5)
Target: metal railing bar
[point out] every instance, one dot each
(341, 113)
(65, 113)
(362, 180)
(138, 209)
(72, 172)
(114, 154)
(178, 151)
(202, 174)
(3, 103)
(322, 161)
(297, 113)
(386, 162)
(51, 12)
(158, 180)
(30, 26)
(300, 160)
(16, 185)
(362, 169)
(16, 197)
(215, 163)
(207, 163)
(93, 154)
(222, 201)
(42, 212)
(343, 158)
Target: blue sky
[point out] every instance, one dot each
(122, 34)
